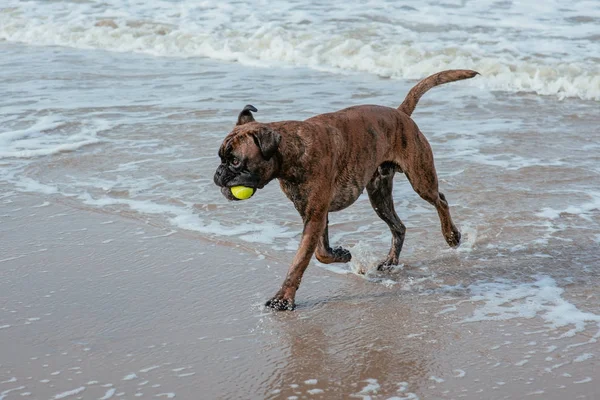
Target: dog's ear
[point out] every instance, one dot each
(246, 115)
(267, 141)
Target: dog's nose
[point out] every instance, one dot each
(218, 178)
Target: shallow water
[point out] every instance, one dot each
(131, 136)
(520, 172)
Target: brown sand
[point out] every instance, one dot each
(94, 306)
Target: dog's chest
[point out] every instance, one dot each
(297, 194)
(345, 193)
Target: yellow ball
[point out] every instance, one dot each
(242, 192)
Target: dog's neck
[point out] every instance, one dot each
(292, 147)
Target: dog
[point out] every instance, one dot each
(324, 163)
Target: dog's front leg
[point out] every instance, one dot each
(314, 226)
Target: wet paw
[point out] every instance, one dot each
(341, 255)
(453, 240)
(336, 255)
(281, 304)
(387, 265)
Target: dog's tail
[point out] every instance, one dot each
(413, 96)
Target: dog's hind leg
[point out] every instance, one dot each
(326, 254)
(423, 179)
(380, 195)
(449, 230)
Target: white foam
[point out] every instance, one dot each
(582, 210)
(144, 370)
(535, 393)
(49, 135)
(504, 300)
(467, 146)
(109, 394)
(364, 258)
(253, 232)
(5, 393)
(510, 49)
(468, 238)
(185, 218)
(372, 387)
(130, 377)
(584, 380)
(459, 373)
(69, 393)
(583, 357)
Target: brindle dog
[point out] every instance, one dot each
(325, 162)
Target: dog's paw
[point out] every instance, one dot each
(341, 255)
(281, 304)
(387, 265)
(336, 255)
(453, 239)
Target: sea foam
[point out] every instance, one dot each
(504, 300)
(511, 52)
(49, 135)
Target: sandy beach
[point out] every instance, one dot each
(102, 306)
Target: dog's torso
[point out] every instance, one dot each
(343, 150)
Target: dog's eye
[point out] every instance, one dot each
(235, 162)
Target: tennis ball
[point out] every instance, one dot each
(242, 192)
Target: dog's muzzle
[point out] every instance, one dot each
(226, 180)
(225, 191)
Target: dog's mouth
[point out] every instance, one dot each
(226, 191)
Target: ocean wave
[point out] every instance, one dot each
(275, 43)
(48, 135)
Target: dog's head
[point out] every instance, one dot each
(248, 155)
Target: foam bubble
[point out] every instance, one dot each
(504, 300)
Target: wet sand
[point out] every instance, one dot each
(96, 305)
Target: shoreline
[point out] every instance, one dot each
(96, 306)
